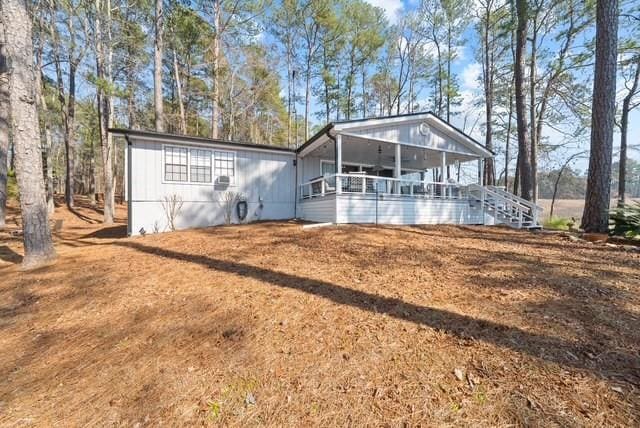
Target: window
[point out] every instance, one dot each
(175, 164)
(224, 164)
(328, 168)
(200, 166)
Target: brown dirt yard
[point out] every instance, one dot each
(270, 325)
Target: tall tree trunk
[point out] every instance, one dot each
(489, 168)
(532, 108)
(624, 128)
(508, 139)
(70, 135)
(449, 47)
(289, 71)
(596, 209)
(215, 96)
(157, 67)
(176, 74)
(524, 144)
(104, 58)
(4, 124)
(67, 104)
(350, 86)
(131, 93)
(364, 92)
(439, 78)
(307, 97)
(49, 165)
(327, 101)
(48, 139)
(38, 245)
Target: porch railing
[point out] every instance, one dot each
(370, 184)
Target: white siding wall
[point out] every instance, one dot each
(362, 209)
(260, 175)
(410, 133)
(349, 208)
(321, 210)
(309, 167)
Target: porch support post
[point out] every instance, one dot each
(397, 172)
(338, 163)
(425, 181)
(481, 172)
(443, 179)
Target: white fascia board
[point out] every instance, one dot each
(313, 146)
(459, 136)
(438, 123)
(382, 121)
(230, 146)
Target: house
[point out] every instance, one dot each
(389, 170)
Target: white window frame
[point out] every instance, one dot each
(188, 148)
(215, 175)
(164, 163)
(210, 152)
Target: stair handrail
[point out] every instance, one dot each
(523, 212)
(535, 209)
(517, 198)
(498, 195)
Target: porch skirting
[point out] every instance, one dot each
(391, 209)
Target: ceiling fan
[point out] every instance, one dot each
(379, 167)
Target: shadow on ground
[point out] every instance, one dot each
(614, 364)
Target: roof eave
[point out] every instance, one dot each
(315, 137)
(123, 132)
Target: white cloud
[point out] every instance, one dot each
(392, 8)
(471, 75)
(428, 49)
(471, 113)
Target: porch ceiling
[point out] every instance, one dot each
(360, 150)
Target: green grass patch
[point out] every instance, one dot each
(557, 223)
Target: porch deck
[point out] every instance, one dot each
(402, 170)
(359, 198)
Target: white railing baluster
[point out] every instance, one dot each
(359, 183)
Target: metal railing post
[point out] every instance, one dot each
(520, 218)
(482, 199)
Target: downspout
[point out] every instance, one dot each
(335, 169)
(335, 150)
(129, 187)
(295, 195)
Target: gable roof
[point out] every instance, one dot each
(337, 125)
(361, 122)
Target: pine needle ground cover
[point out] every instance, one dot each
(270, 325)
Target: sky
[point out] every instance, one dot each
(469, 71)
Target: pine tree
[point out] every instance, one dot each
(38, 245)
(596, 209)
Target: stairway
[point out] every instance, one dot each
(505, 207)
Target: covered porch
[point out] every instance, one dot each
(411, 169)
